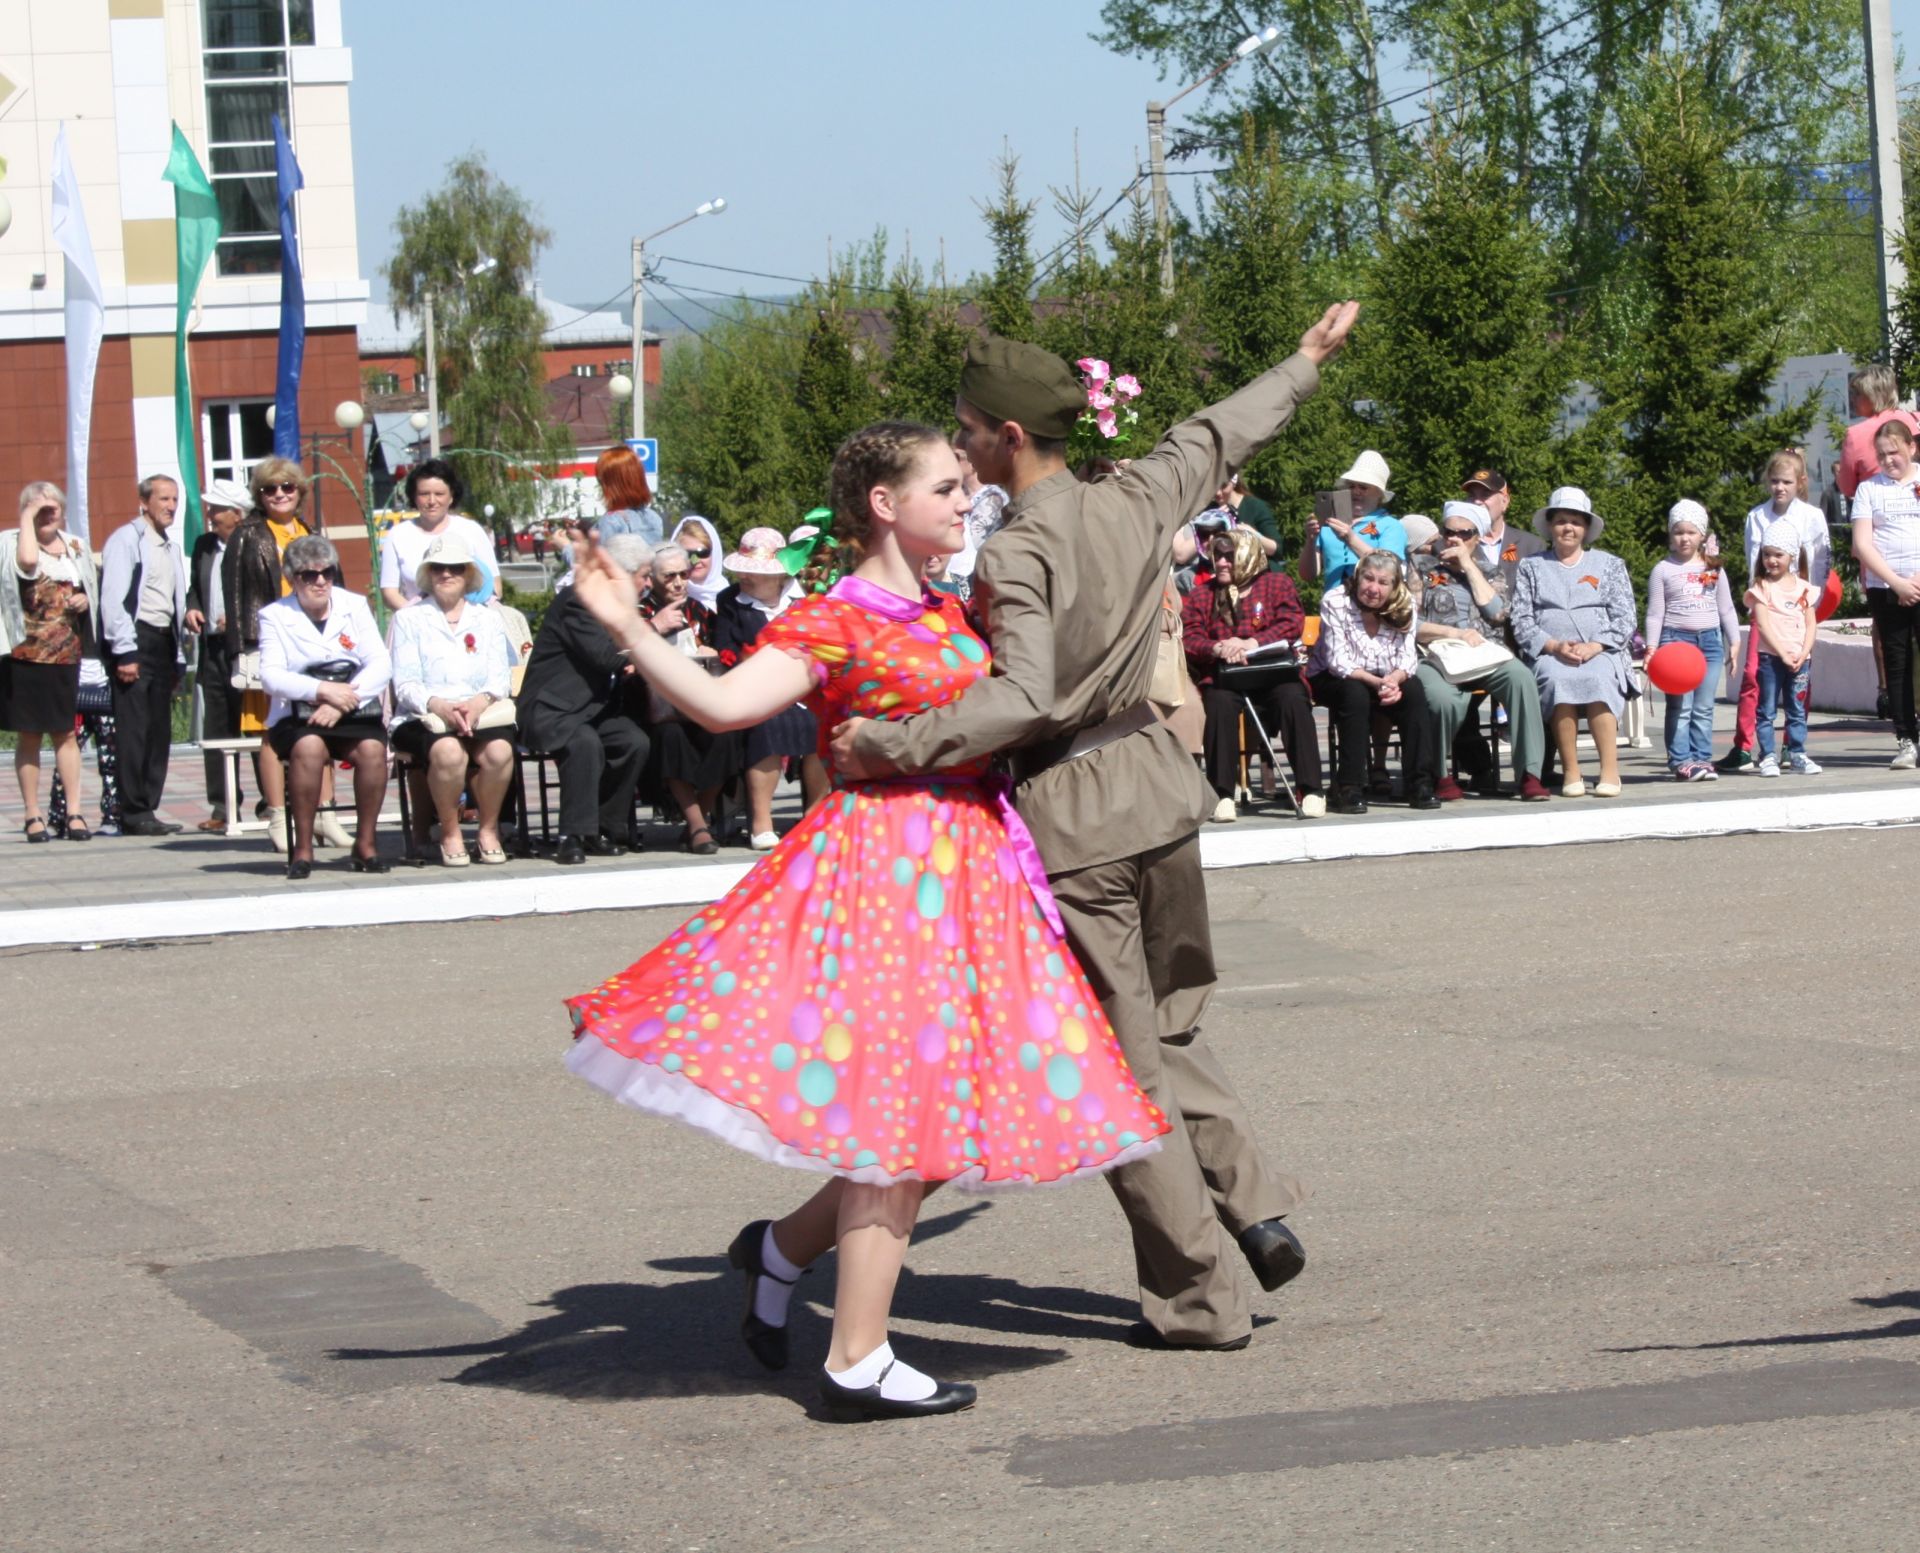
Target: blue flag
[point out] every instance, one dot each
(293, 302)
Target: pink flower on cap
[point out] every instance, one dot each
(1096, 370)
(1099, 400)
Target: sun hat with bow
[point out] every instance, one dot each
(1568, 498)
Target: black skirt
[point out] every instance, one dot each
(414, 739)
(788, 735)
(686, 752)
(340, 739)
(38, 697)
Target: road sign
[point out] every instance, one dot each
(649, 450)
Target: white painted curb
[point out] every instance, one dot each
(528, 894)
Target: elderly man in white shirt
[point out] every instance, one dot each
(143, 616)
(324, 667)
(452, 675)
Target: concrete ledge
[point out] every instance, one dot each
(518, 893)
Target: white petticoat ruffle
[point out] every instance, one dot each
(646, 1086)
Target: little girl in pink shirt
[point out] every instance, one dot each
(1780, 604)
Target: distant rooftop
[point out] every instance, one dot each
(566, 325)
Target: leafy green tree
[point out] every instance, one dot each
(724, 418)
(1258, 287)
(1694, 395)
(921, 374)
(1463, 353)
(488, 327)
(1006, 297)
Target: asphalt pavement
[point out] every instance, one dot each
(308, 1241)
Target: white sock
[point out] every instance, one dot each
(770, 1296)
(899, 1381)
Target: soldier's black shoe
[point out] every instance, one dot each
(1273, 1252)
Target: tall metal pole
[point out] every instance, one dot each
(1157, 161)
(433, 385)
(1883, 124)
(639, 341)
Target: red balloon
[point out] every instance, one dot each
(1678, 668)
(1829, 597)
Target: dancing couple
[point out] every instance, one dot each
(916, 988)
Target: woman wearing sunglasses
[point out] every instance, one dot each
(324, 665)
(251, 578)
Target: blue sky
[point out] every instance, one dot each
(816, 123)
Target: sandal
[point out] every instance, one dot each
(33, 836)
(702, 848)
(77, 830)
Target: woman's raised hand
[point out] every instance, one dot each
(607, 589)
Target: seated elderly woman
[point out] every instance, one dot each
(1363, 662)
(1243, 608)
(1573, 616)
(452, 676)
(761, 591)
(324, 666)
(689, 763)
(1464, 602)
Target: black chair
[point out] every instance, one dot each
(1247, 680)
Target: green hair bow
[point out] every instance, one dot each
(797, 556)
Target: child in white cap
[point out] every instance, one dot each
(1688, 600)
(1781, 604)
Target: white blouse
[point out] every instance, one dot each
(291, 643)
(455, 659)
(1891, 511)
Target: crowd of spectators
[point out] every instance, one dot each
(1429, 633)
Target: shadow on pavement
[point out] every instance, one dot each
(613, 1342)
(1907, 1299)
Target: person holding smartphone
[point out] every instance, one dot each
(1339, 534)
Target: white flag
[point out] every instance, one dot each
(86, 322)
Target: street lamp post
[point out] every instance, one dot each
(711, 207)
(1254, 43)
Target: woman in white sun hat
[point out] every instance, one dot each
(761, 591)
(1334, 548)
(1573, 615)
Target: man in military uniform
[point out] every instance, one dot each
(1070, 589)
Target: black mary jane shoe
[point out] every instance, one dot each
(368, 865)
(36, 837)
(850, 1405)
(701, 848)
(1274, 1253)
(1140, 1335)
(766, 1342)
(300, 868)
(77, 831)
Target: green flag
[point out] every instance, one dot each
(196, 221)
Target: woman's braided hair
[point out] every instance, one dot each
(885, 453)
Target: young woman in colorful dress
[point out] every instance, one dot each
(887, 998)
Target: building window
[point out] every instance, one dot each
(237, 436)
(245, 58)
(583, 369)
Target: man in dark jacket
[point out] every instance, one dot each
(572, 708)
(226, 503)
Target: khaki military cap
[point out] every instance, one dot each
(1013, 381)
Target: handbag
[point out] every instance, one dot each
(499, 714)
(246, 672)
(1461, 663)
(1168, 687)
(335, 671)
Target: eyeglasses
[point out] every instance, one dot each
(1461, 533)
(669, 576)
(281, 488)
(442, 569)
(310, 577)
(698, 555)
